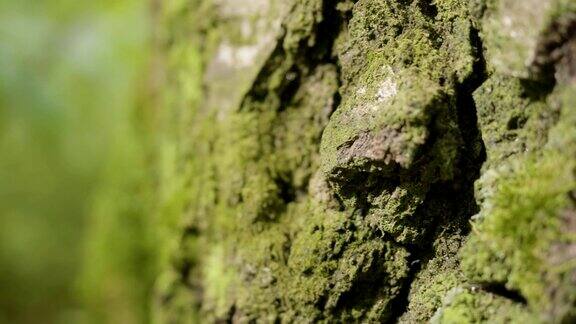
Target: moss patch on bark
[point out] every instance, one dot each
(321, 161)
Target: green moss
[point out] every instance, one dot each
(465, 306)
(253, 159)
(290, 212)
(526, 183)
(338, 259)
(220, 279)
(399, 107)
(514, 118)
(397, 124)
(514, 241)
(178, 304)
(439, 275)
(428, 298)
(301, 23)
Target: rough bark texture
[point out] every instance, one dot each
(368, 161)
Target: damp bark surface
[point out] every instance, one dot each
(390, 161)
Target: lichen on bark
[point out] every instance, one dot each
(367, 161)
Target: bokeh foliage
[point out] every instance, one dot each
(72, 188)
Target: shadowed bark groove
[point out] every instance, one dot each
(460, 191)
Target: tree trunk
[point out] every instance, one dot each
(367, 161)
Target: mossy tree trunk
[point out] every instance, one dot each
(367, 161)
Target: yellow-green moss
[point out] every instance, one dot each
(466, 306)
(522, 225)
(286, 211)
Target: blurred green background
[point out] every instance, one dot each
(74, 246)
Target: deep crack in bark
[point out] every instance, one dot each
(464, 183)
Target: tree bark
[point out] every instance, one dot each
(367, 161)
